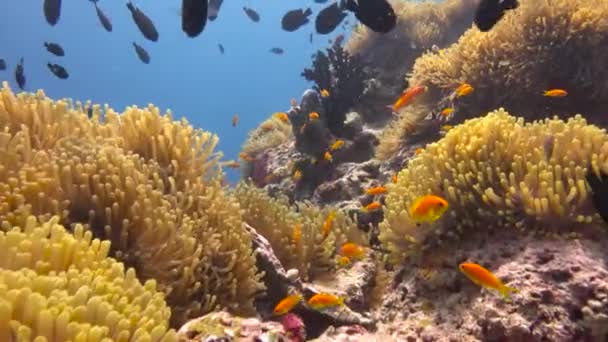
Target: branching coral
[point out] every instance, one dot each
(166, 221)
(497, 171)
(344, 76)
(55, 286)
(523, 55)
(296, 232)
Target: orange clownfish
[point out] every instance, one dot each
(555, 93)
(286, 304)
(407, 97)
(428, 208)
(483, 277)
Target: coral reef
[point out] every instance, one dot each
(55, 286)
(344, 76)
(222, 326)
(163, 219)
(499, 171)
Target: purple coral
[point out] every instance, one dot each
(294, 327)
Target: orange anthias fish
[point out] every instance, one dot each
(233, 164)
(297, 175)
(394, 178)
(408, 96)
(322, 301)
(297, 233)
(555, 93)
(375, 205)
(286, 304)
(418, 151)
(235, 120)
(327, 156)
(282, 116)
(463, 90)
(483, 277)
(352, 250)
(377, 190)
(313, 115)
(428, 208)
(337, 145)
(447, 111)
(246, 157)
(324, 93)
(328, 223)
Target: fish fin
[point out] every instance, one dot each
(130, 6)
(308, 12)
(506, 290)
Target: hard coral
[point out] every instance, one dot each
(55, 286)
(344, 76)
(499, 171)
(163, 218)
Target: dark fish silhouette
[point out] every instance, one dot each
(142, 53)
(320, 1)
(489, 12)
(52, 11)
(2, 64)
(295, 19)
(54, 48)
(310, 38)
(339, 39)
(252, 14)
(221, 47)
(378, 15)
(145, 25)
(58, 71)
(20, 74)
(599, 193)
(277, 51)
(214, 9)
(103, 19)
(329, 18)
(194, 17)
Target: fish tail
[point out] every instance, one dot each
(506, 290)
(130, 6)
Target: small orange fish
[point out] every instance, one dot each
(555, 93)
(428, 208)
(246, 157)
(446, 128)
(447, 111)
(327, 156)
(313, 115)
(483, 277)
(418, 151)
(352, 250)
(235, 120)
(297, 175)
(408, 96)
(286, 304)
(394, 178)
(324, 93)
(377, 190)
(267, 126)
(337, 145)
(328, 223)
(463, 90)
(375, 205)
(233, 164)
(322, 301)
(343, 261)
(293, 102)
(297, 233)
(281, 116)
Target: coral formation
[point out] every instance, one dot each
(345, 77)
(55, 286)
(499, 171)
(222, 326)
(270, 133)
(165, 220)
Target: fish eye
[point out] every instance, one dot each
(440, 204)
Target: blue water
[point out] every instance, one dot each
(188, 76)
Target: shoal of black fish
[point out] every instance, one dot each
(489, 12)
(377, 15)
(145, 25)
(295, 19)
(214, 9)
(141, 53)
(2, 64)
(58, 71)
(194, 17)
(252, 14)
(103, 18)
(221, 47)
(20, 74)
(52, 11)
(329, 18)
(54, 48)
(277, 51)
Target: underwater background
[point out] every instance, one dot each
(356, 170)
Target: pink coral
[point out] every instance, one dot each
(294, 327)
